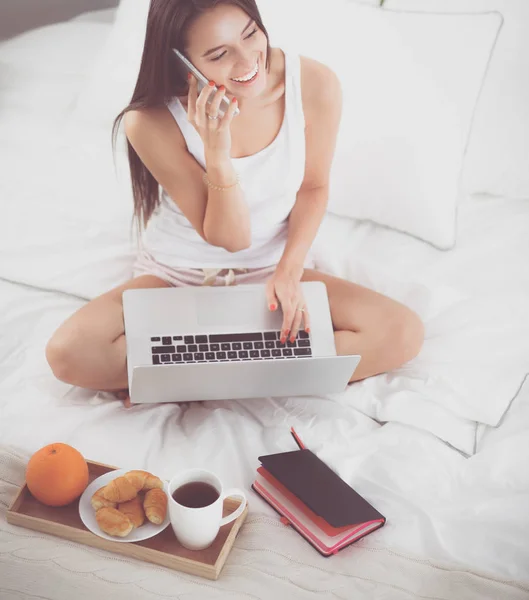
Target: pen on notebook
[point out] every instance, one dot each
(297, 439)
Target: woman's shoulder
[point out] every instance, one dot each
(318, 82)
(137, 119)
(142, 124)
(315, 74)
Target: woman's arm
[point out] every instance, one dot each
(227, 216)
(322, 98)
(303, 224)
(322, 117)
(220, 217)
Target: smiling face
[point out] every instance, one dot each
(225, 44)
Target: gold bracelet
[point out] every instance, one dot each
(218, 187)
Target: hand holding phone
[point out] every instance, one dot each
(203, 82)
(215, 133)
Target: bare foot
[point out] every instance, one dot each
(124, 396)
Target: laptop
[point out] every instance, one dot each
(217, 343)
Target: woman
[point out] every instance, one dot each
(242, 197)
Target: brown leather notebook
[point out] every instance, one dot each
(311, 497)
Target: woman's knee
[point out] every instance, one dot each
(87, 337)
(406, 334)
(83, 337)
(60, 353)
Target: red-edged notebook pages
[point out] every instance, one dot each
(324, 537)
(312, 498)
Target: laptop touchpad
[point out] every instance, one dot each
(231, 309)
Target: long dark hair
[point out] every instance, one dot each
(162, 77)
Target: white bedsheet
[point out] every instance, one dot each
(473, 301)
(447, 514)
(439, 446)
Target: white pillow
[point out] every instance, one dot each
(409, 97)
(497, 159)
(35, 64)
(67, 215)
(110, 83)
(410, 83)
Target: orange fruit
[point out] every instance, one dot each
(57, 474)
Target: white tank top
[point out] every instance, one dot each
(269, 179)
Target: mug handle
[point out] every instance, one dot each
(237, 512)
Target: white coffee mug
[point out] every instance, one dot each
(197, 528)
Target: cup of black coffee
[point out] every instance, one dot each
(195, 507)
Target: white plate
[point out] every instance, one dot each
(88, 514)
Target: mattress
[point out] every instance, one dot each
(438, 446)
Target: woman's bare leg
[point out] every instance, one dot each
(385, 332)
(88, 349)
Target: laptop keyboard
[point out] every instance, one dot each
(222, 347)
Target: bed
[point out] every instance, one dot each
(439, 446)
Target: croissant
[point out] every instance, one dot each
(113, 522)
(143, 480)
(155, 505)
(119, 490)
(99, 501)
(134, 511)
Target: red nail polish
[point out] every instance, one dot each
(234, 100)
(222, 88)
(273, 307)
(211, 83)
(188, 76)
(307, 329)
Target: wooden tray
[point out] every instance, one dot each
(162, 549)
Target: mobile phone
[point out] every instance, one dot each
(202, 82)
